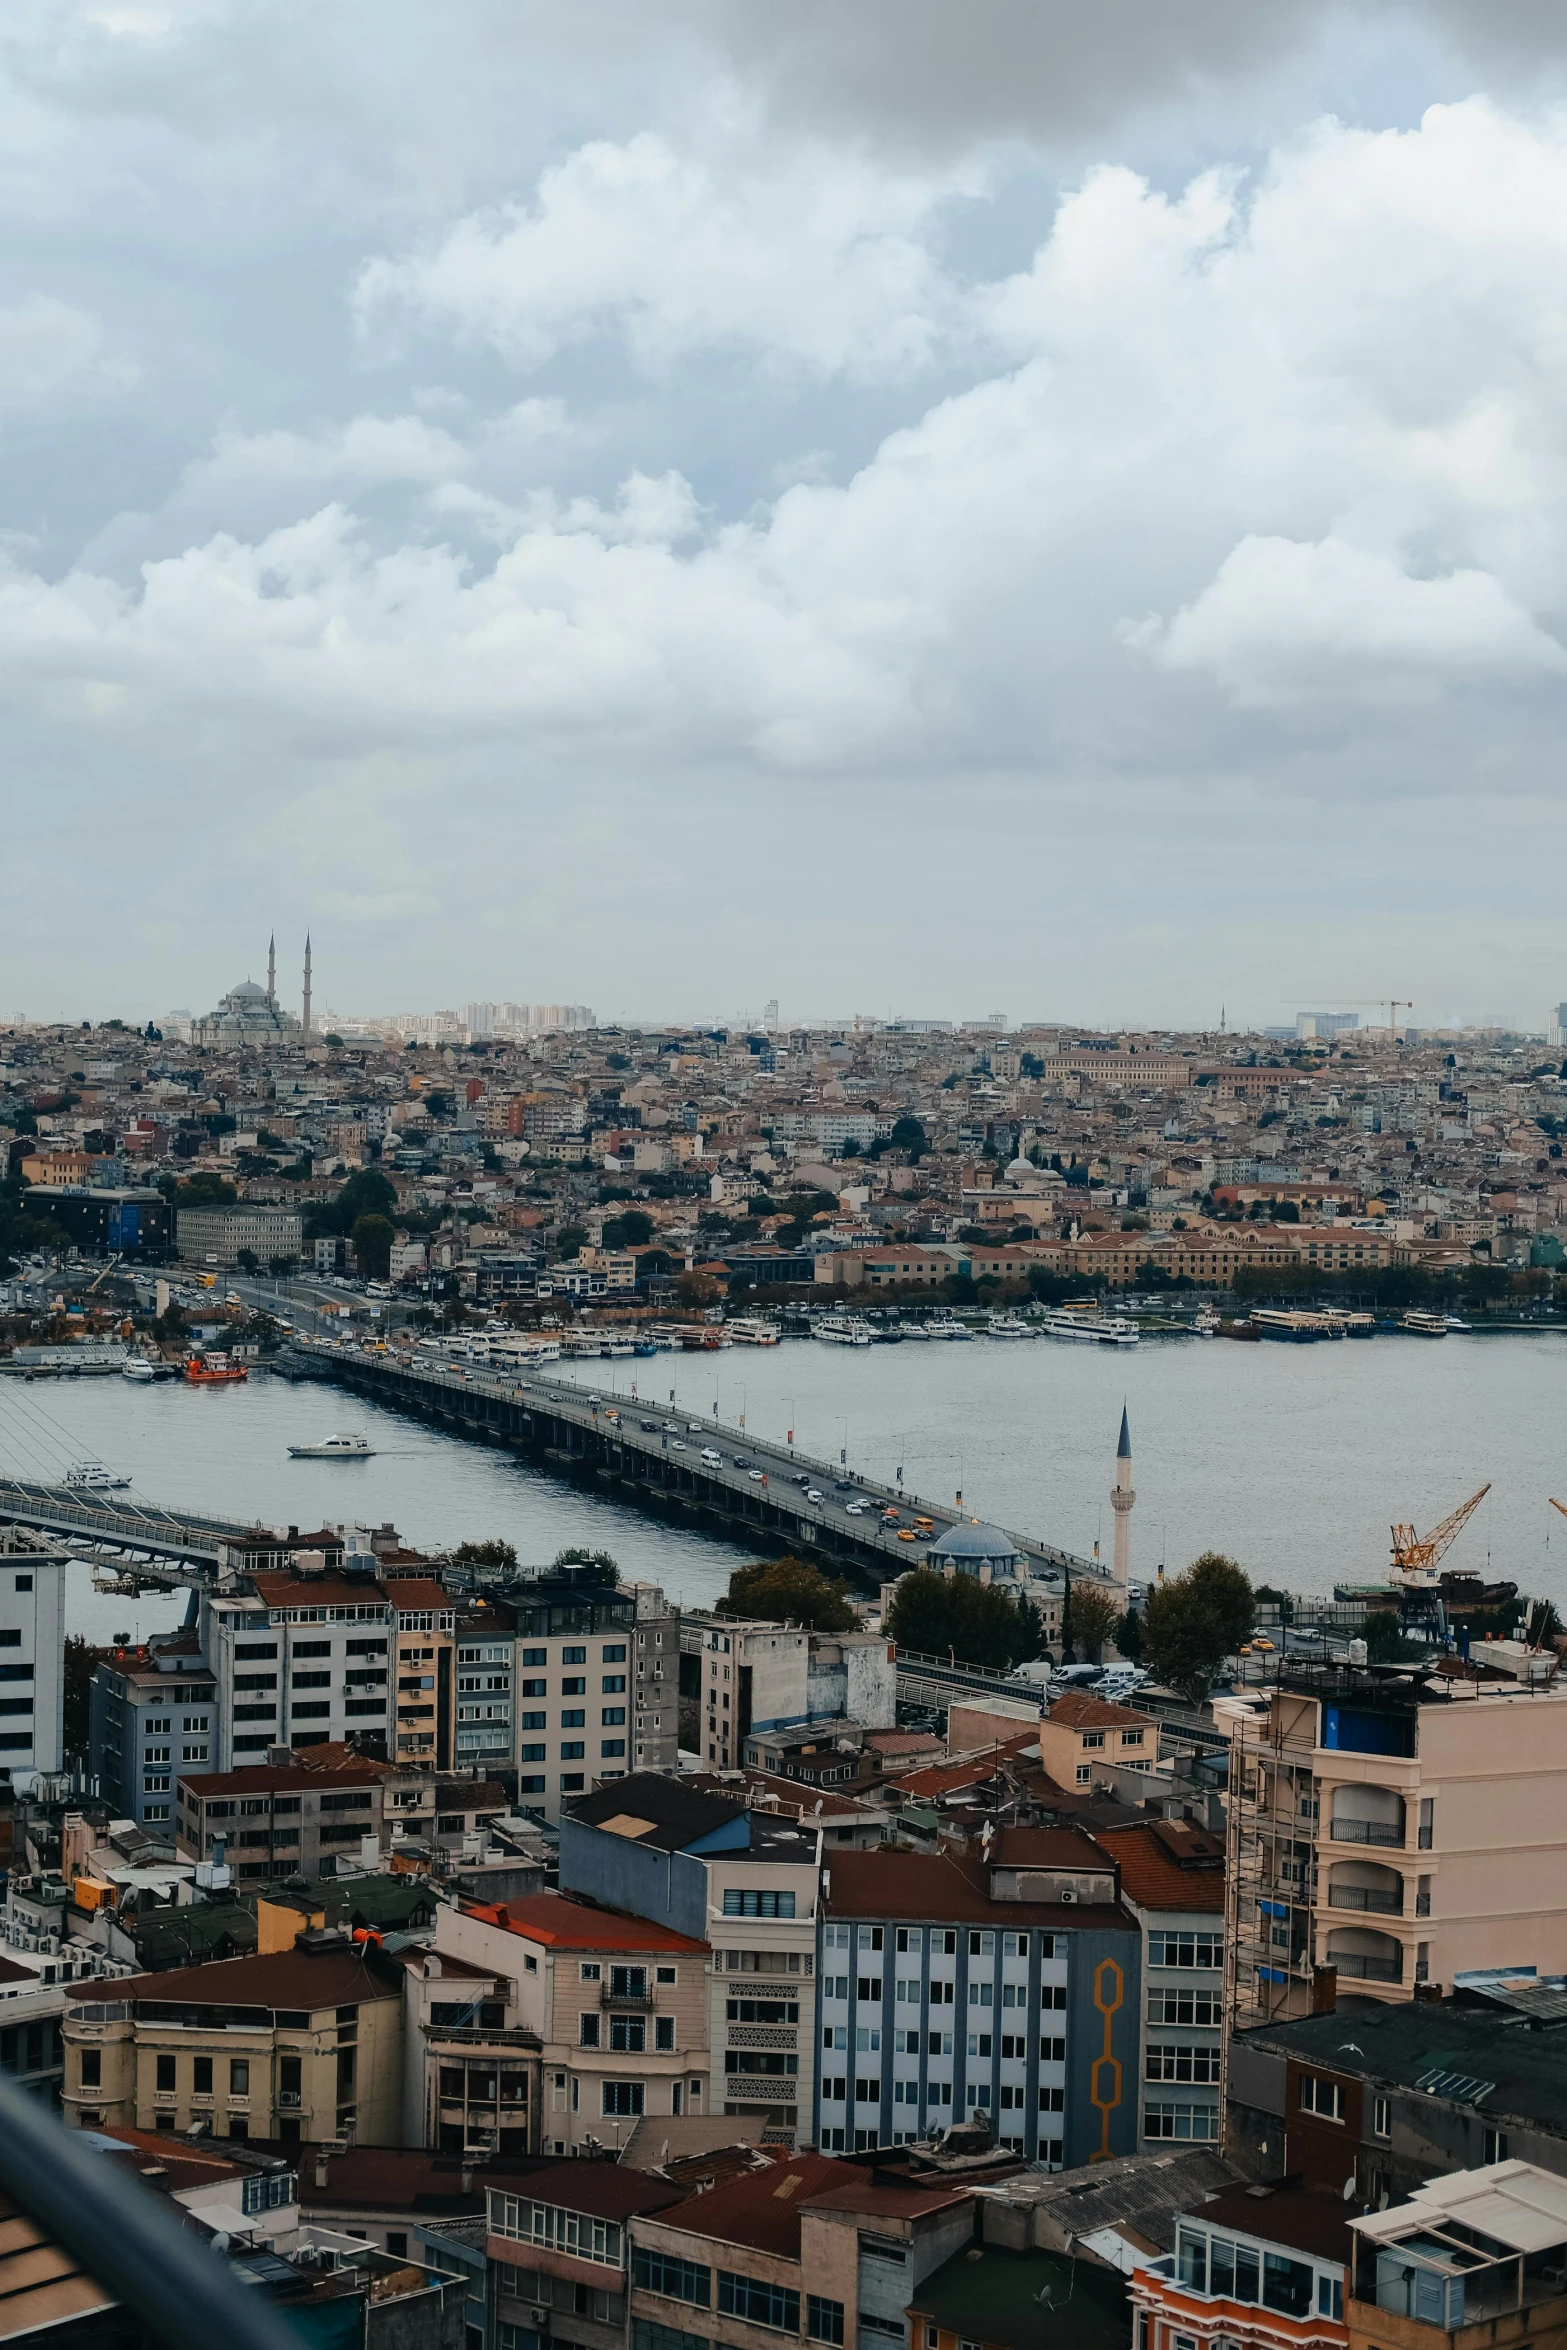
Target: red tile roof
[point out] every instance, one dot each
(1153, 1879)
(279, 1590)
(279, 1978)
(944, 1886)
(606, 2190)
(761, 2208)
(1079, 1709)
(407, 1592)
(560, 1923)
(948, 1778)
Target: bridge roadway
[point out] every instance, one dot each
(654, 1457)
(170, 1547)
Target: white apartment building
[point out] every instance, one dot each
(761, 1924)
(595, 1681)
(766, 1677)
(32, 1652)
(302, 1658)
(218, 1236)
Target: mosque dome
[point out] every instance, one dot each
(970, 1546)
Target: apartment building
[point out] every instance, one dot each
(1007, 1984)
(1402, 1825)
(152, 1714)
(424, 1622)
(1262, 2267)
(764, 1677)
(808, 2247)
(486, 1662)
(32, 1652)
(1083, 1737)
(655, 1692)
(1172, 1882)
(277, 1820)
(618, 2005)
(576, 1632)
(299, 1659)
(559, 2253)
(219, 1237)
(1477, 2257)
(299, 2043)
(746, 1884)
(471, 2077)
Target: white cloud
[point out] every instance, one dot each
(1283, 621)
(807, 254)
(365, 451)
(47, 345)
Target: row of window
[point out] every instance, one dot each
(1014, 2045)
(1186, 1949)
(867, 2089)
(751, 2299)
(908, 1989)
(627, 2033)
(571, 1750)
(943, 1941)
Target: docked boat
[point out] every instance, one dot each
(947, 1326)
(93, 1477)
(913, 1330)
(214, 1371)
(333, 1448)
(751, 1330)
(1092, 1329)
(1007, 1326)
(1288, 1323)
(843, 1330)
(138, 1370)
(1206, 1324)
(1457, 1322)
(1421, 1324)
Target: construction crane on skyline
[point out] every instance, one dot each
(1392, 1005)
(1415, 1557)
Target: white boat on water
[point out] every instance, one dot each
(1207, 1324)
(137, 1369)
(913, 1330)
(1094, 1329)
(751, 1330)
(1421, 1324)
(1007, 1326)
(843, 1330)
(93, 1477)
(333, 1448)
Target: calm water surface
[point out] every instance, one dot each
(1294, 1459)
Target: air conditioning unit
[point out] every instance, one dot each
(1067, 1893)
(541, 2319)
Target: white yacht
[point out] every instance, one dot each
(947, 1326)
(93, 1477)
(843, 1330)
(333, 1448)
(136, 1368)
(913, 1330)
(1207, 1323)
(751, 1330)
(1095, 1329)
(1008, 1326)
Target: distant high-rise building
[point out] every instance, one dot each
(1309, 1024)
(770, 1015)
(1556, 1028)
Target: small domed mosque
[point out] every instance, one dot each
(250, 1018)
(972, 1549)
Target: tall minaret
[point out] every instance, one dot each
(272, 970)
(1121, 1499)
(306, 1022)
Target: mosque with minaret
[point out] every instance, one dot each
(250, 1018)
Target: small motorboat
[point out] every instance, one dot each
(93, 1477)
(138, 1369)
(214, 1371)
(333, 1448)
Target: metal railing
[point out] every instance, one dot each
(1367, 1970)
(1366, 1897)
(1349, 1831)
(126, 2238)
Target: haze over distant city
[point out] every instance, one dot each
(912, 509)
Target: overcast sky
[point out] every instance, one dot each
(892, 506)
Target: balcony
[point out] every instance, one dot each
(1346, 1830)
(1366, 1897)
(637, 2002)
(1361, 1968)
(759, 2088)
(1366, 1885)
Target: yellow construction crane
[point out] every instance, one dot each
(1557, 1505)
(1415, 1558)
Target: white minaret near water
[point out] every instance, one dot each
(1122, 1498)
(272, 969)
(306, 1007)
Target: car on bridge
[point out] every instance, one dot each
(811, 1494)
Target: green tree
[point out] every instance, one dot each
(1384, 1639)
(494, 1553)
(81, 1662)
(248, 1261)
(1196, 1620)
(206, 1190)
(1095, 1617)
(632, 1230)
(788, 1591)
(909, 1135)
(575, 1557)
(372, 1242)
(569, 1240)
(978, 1622)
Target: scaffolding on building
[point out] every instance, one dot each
(1271, 1863)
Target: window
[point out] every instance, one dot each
(612, 1685)
(758, 2303)
(676, 2279)
(1286, 2284)
(560, 2230)
(239, 2076)
(749, 1902)
(981, 1994)
(588, 2031)
(1330, 2298)
(572, 1656)
(628, 2034)
(535, 1656)
(1323, 2098)
(615, 1654)
(1186, 1950)
(622, 2097)
(1381, 2117)
(835, 1938)
(1493, 2146)
(1184, 2007)
(92, 2078)
(1193, 2122)
(665, 1974)
(201, 2080)
(664, 2032)
(1191, 2258)
(612, 1717)
(823, 2319)
(165, 2074)
(1052, 1995)
(982, 1945)
(868, 1989)
(910, 1937)
(572, 1750)
(1427, 1834)
(611, 1747)
(1166, 2062)
(575, 1685)
(573, 1717)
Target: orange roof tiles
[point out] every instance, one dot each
(1153, 1879)
(1079, 1709)
(560, 1923)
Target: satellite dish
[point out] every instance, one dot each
(220, 2242)
(1351, 2188)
